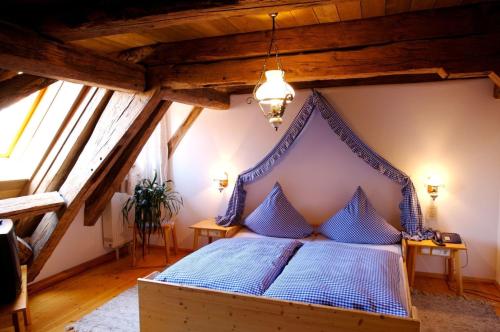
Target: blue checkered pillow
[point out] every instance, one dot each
(359, 222)
(276, 217)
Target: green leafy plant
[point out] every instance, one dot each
(153, 202)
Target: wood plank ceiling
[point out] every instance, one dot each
(332, 12)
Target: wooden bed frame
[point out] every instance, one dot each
(174, 308)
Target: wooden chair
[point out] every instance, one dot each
(17, 313)
(167, 228)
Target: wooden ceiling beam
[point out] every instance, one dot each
(97, 201)
(24, 50)
(162, 14)
(495, 77)
(478, 55)
(7, 74)
(432, 24)
(19, 87)
(31, 205)
(205, 98)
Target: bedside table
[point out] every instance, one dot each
(450, 251)
(210, 229)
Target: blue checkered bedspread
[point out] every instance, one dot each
(337, 275)
(240, 265)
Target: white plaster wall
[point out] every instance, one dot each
(79, 245)
(451, 129)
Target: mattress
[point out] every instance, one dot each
(393, 248)
(241, 265)
(335, 274)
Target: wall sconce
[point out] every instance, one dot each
(222, 181)
(433, 184)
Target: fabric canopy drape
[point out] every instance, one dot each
(411, 214)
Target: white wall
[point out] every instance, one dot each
(79, 245)
(451, 129)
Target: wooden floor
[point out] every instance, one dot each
(55, 307)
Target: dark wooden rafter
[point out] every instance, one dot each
(19, 87)
(162, 14)
(477, 55)
(97, 201)
(118, 125)
(182, 130)
(31, 205)
(26, 51)
(205, 98)
(7, 74)
(432, 24)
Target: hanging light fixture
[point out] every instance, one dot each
(274, 93)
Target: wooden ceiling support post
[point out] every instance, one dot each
(116, 128)
(97, 201)
(26, 51)
(183, 129)
(19, 87)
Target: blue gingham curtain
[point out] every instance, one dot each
(411, 214)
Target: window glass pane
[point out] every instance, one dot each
(13, 119)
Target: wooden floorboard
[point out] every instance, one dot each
(55, 307)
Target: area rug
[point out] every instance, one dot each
(438, 313)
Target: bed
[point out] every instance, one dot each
(281, 302)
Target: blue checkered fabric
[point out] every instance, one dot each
(276, 217)
(239, 265)
(359, 222)
(411, 214)
(335, 274)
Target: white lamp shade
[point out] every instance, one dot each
(275, 89)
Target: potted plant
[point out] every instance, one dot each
(153, 202)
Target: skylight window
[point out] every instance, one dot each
(13, 121)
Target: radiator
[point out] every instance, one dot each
(115, 230)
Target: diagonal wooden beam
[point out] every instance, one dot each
(30, 205)
(206, 98)
(19, 87)
(26, 51)
(96, 203)
(495, 77)
(183, 129)
(118, 125)
(431, 24)
(478, 55)
(160, 15)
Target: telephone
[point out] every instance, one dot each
(442, 238)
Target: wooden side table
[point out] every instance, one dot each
(210, 229)
(166, 228)
(17, 313)
(450, 251)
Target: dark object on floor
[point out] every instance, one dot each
(10, 277)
